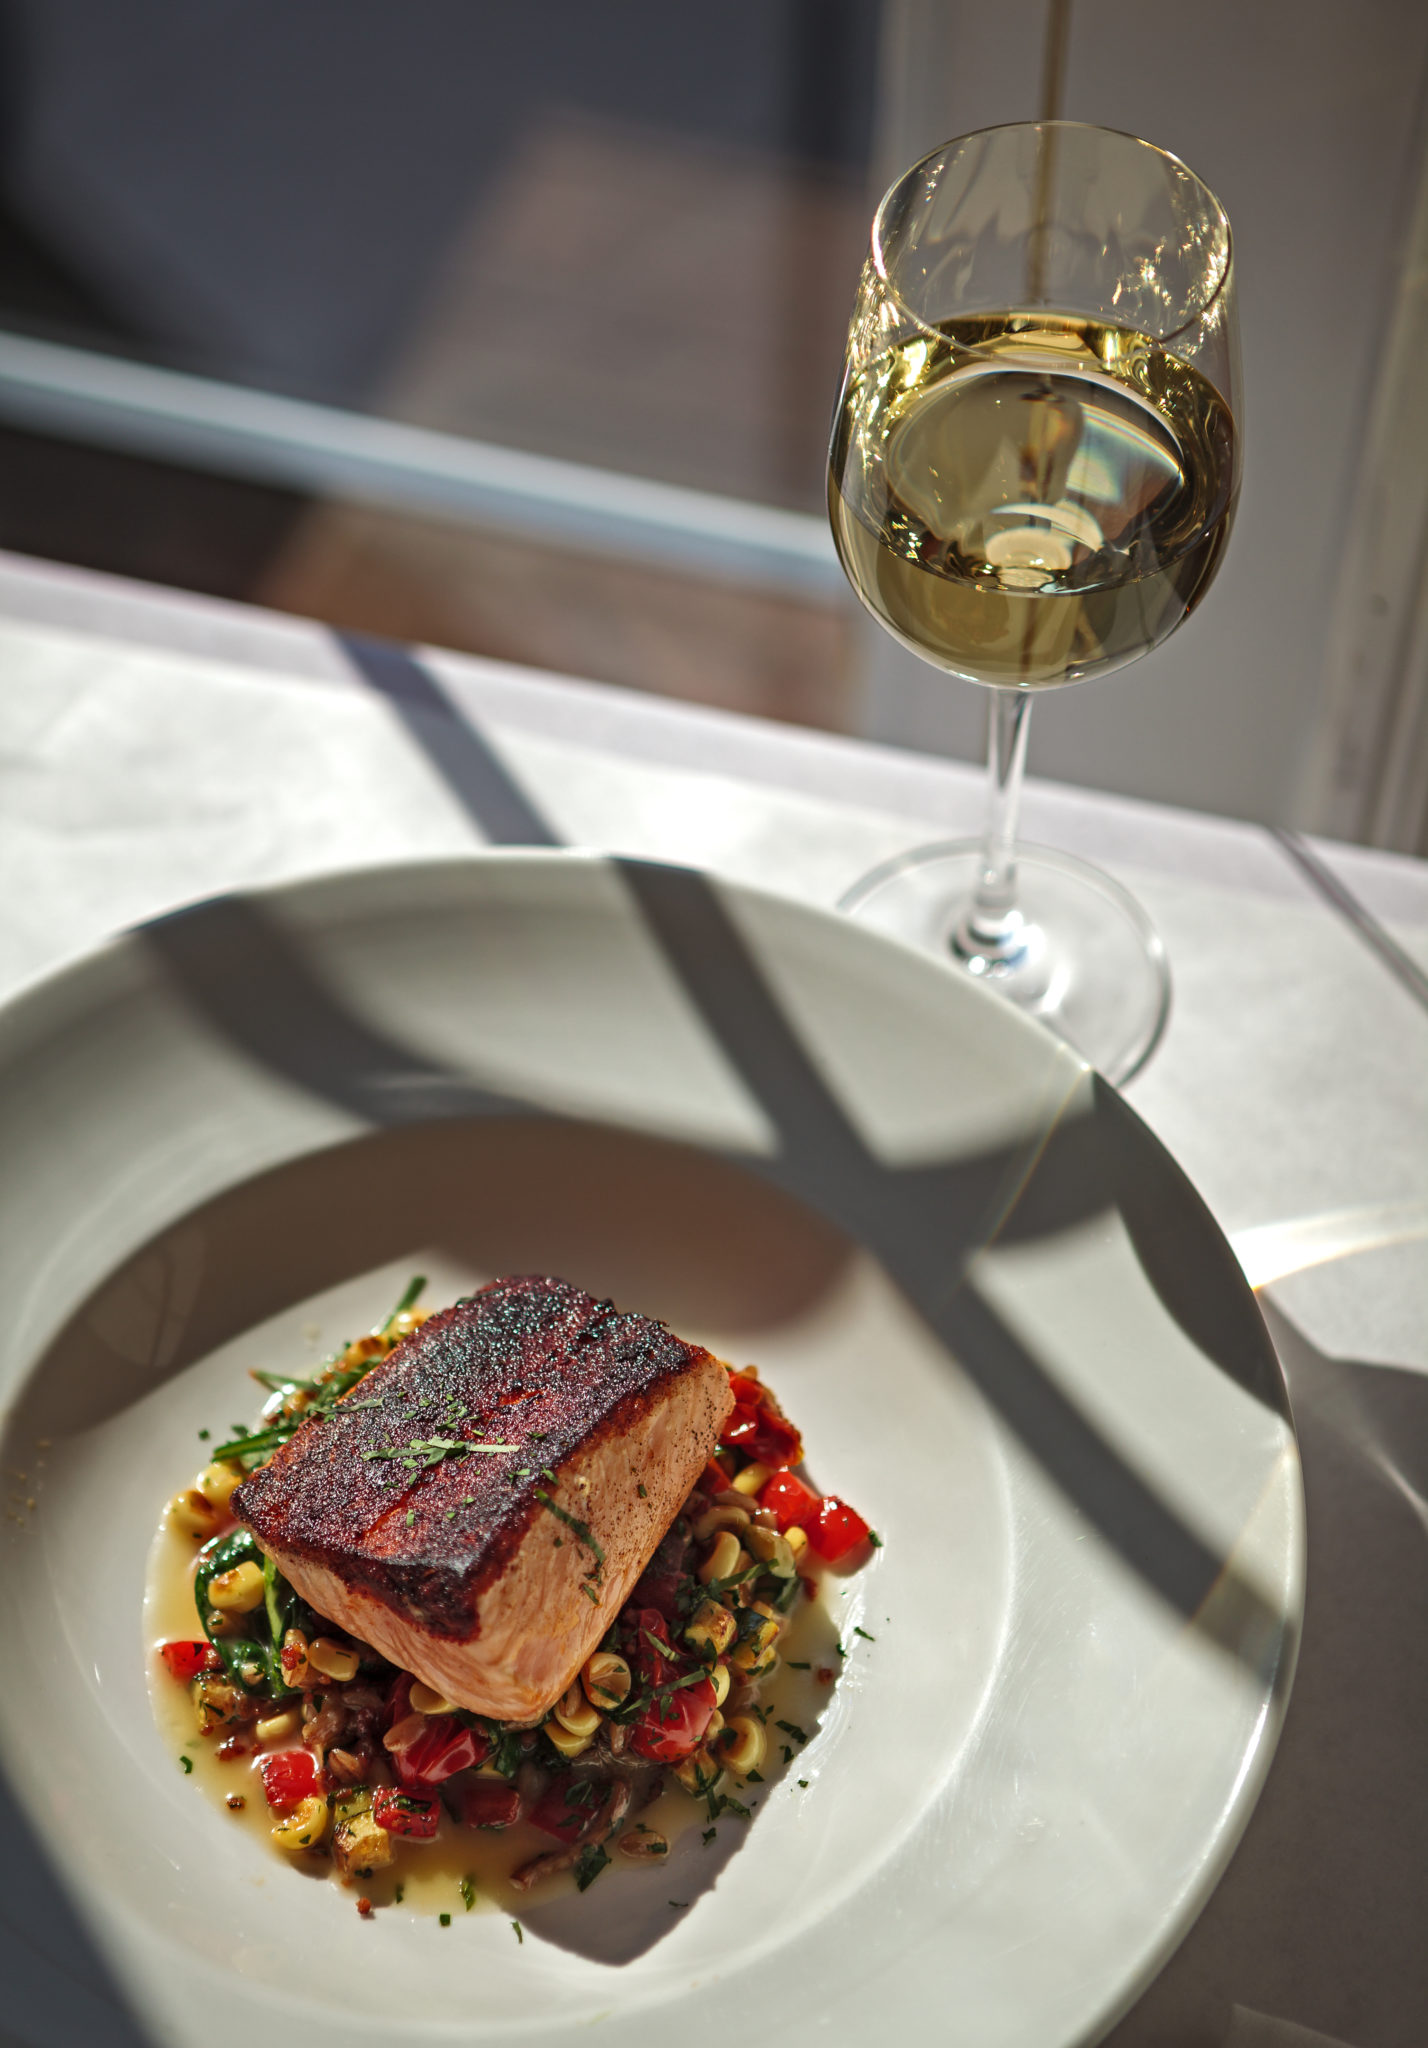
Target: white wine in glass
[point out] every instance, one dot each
(1033, 474)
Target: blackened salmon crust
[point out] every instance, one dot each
(531, 1362)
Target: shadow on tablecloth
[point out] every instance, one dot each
(1319, 1918)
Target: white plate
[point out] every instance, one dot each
(1010, 1331)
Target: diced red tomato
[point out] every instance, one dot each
(442, 1748)
(399, 1700)
(401, 1814)
(835, 1529)
(290, 1775)
(186, 1660)
(645, 1636)
(672, 1728)
(756, 1427)
(484, 1802)
(789, 1500)
(555, 1813)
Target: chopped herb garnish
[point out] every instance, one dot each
(655, 1644)
(399, 1894)
(709, 1835)
(187, 1765)
(445, 1919)
(589, 1591)
(325, 1389)
(415, 1287)
(803, 1784)
(577, 1528)
(424, 1452)
(680, 1905)
(516, 1926)
(864, 1634)
(787, 1752)
(717, 1586)
(875, 1539)
(203, 1434)
(639, 1489)
(754, 1777)
(467, 1889)
(589, 1864)
(798, 1667)
(411, 1518)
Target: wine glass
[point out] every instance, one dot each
(1033, 473)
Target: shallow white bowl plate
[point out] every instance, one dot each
(1011, 1333)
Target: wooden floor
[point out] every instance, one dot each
(621, 297)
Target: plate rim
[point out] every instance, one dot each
(73, 973)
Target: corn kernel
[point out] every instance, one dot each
(426, 1701)
(797, 1541)
(569, 1745)
(712, 1627)
(218, 1483)
(714, 1519)
(771, 1549)
(238, 1591)
(741, 1745)
(217, 1701)
(575, 1713)
(723, 1558)
(305, 1826)
(194, 1515)
(606, 1679)
(278, 1727)
(333, 1660)
(753, 1479)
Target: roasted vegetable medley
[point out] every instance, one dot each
(357, 1759)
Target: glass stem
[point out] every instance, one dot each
(990, 933)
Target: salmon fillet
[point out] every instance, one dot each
(492, 1573)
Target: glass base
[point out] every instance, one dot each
(1087, 962)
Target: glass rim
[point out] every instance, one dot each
(1032, 127)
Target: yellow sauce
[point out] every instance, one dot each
(430, 1874)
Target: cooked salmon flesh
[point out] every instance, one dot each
(479, 1507)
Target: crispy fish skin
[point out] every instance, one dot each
(491, 1575)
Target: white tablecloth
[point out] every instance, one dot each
(155, 748)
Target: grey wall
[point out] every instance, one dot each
(1306, 117)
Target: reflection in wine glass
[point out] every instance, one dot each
(1033, 474)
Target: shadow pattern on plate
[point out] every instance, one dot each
(231, 961)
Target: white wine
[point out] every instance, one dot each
(1028, 499)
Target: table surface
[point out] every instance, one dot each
(156, 747)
